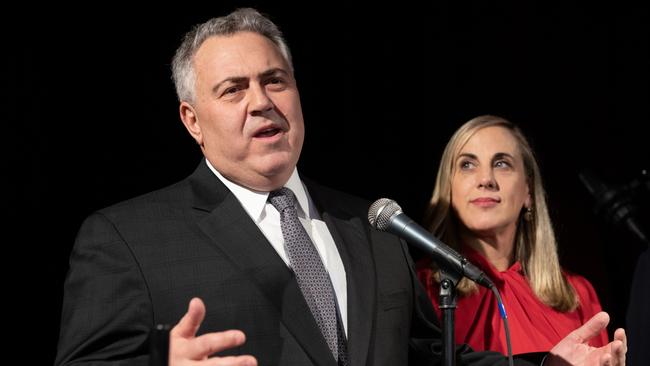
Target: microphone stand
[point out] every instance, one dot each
(448, 282)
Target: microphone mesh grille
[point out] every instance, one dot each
(381, 212)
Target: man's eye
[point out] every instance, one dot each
(231, 90)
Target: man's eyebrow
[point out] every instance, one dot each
(241, 79)
(231, 80)
(273, 71)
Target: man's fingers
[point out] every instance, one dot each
(184, 345)
(233, 361)
(189, 324)
(202, 347)
(591, 328)
(211, 343)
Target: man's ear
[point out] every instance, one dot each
(191, 122)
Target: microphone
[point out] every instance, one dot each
(386, 215)
(616, 204)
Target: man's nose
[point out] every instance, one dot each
(260, 101)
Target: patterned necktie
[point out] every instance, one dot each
(313, 279)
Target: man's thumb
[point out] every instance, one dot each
(191, 321)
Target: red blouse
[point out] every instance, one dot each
(534, 326)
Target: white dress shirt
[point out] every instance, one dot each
(267, 218)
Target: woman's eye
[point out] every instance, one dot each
(466, 165)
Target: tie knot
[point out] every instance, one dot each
(282, 199)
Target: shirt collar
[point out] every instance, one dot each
(477, 259)
(254, 202)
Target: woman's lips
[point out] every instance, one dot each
(485, 201)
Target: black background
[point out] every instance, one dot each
(91, 117)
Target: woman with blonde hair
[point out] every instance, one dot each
(489, 204)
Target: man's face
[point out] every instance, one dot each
(246, 114)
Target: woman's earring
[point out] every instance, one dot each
(528, 215)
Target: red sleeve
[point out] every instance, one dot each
(589, 305)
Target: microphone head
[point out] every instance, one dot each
(381, 212)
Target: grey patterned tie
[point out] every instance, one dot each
(313, 279)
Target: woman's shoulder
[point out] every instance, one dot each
(585, 290)
(589, 304)
(579, 283)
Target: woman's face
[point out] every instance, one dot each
(489, 187)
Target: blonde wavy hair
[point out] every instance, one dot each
(535, 243)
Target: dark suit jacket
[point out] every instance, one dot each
(138, 263)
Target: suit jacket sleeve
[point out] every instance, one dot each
(106, 313)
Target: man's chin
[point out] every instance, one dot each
(277, 164)
(271, 176)
(279, 174)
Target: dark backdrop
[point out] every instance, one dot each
(92, 117)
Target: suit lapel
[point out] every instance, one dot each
(233, 232)
(352, 243)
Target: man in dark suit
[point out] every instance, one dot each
(216, 241)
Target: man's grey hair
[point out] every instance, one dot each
(241, 20)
